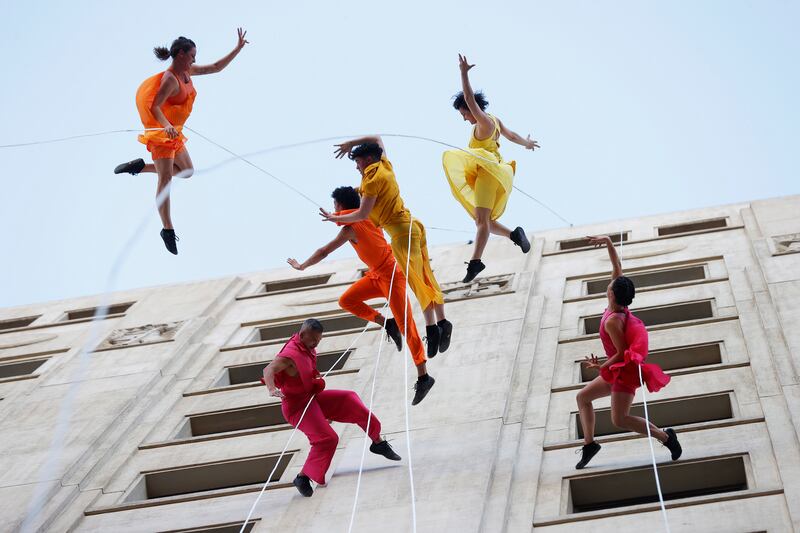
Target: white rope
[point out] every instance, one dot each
(73, 137)
(369, 408)
(405, 384)
(647, 421)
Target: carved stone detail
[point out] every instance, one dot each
(147, 334)
(480, 287)
(786, 244)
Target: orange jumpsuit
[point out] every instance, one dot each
(376, 253)
(177, 109)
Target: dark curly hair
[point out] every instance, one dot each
(181, 44)
(313, 324)
(366, 150)
(623, 290)
(347, 197)
(460, 103)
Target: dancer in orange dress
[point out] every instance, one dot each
(383, 279)
(164, 102)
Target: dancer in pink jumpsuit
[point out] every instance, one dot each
(293, 377)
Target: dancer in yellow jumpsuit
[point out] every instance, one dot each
(381, 203)
(479, 177)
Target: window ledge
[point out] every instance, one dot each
(216, 436)
(671, 325)
(34, 327)
(253, 384)
(651, 289)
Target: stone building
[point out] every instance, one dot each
(169, 429)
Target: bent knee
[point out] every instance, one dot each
(185, 173)
(621, 421)
(328, 440)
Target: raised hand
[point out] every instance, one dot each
(531, 144)
(343, 149)
(242, 41)
(295, 264)
(326, 216)
(463, 64)
(591, 362)
(599, 240)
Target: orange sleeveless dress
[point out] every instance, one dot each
(177, 110)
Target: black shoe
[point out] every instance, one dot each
(383, 448)
(393, 332)
(303, 485)
(446, 330)
(474, 267)
(672, 444)
(520, 239)
(432, 335)
(169, 240)
(131, 167)
(422, 386)
(587, 452)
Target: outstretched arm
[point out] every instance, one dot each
(344, 235)
(213, 68)
(515, 137)
(616, 264)
(279, 364)
(362, 213)
(485, 125)
(344, 148)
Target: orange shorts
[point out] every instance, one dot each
(159, 151)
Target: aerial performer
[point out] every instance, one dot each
(383, 279)
(381, 203)
(479, 177)
(165, 102)
(624, 339)
(293, 377)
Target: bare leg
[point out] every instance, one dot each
(483, 223)
(621, 417)
(422, 369)
(498, 229)
(597, 388)
(164, 170)
(433, 313)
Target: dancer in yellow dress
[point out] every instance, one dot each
(381, 203)
(479, 177)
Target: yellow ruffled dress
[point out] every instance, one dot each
(481, 161)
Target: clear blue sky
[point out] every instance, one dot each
(640, 107)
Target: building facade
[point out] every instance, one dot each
(166, 428)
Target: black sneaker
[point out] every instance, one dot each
(587, 452)
(432, 335)
(131, 167)
(303, 485)
(383, 448)
(474, 267)
(521, 240)
(421, 388)
(446, 330)
(393, 332)
(672, 444)
(169, 240)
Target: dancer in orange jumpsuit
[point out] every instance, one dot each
(378, 282)
(293, 377)
(164, 102)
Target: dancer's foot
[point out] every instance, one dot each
(474, 267)
(521, 240)
(432, 335)
(393, 332)
(383, 448)
(169, 240)
(446, 329)
(303, 484)
(131, 167)
(421, 388)
(672, 444)
(587, 452)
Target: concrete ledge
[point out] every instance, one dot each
(660, 327)
(215, 436)
(259, 384)
(654, 288)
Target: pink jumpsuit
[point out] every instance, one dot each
(334, 405)
(624, 376)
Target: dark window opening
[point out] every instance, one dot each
(252, 373)
(693, 226)
(672, 358)
(654, 316)
(21, 322)
(651, 279)
(583, 242)
(236, 420)
(113, 310)
(285, 331)
(20, 368)
(297, 283)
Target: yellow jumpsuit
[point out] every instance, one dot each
(481, 181)
(390, 213)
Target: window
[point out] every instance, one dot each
(257, 416)
(20, 368)
(688, 227)
(651, 279)
(673, 358)
(622, 488)
(285, 331)
(583, 242)
(253, 372)
(666, 413)
(653, 316)
(115, 310)
(231, 527)
(210, 476)
(293, 284)
(14, 323)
